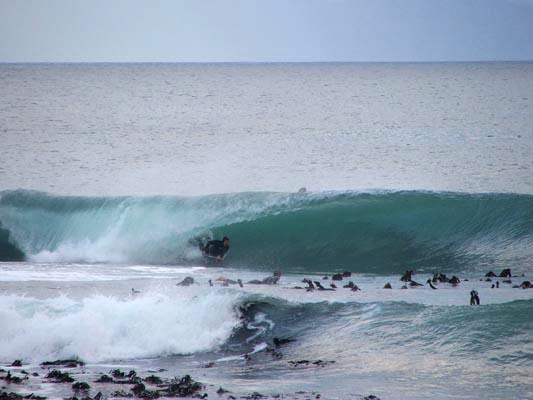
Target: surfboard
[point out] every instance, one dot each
(213, 258)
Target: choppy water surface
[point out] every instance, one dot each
(196, 129)
(396, 343)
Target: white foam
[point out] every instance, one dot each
(101, 328)
(84, 251)
(136, 229)
(62, 272)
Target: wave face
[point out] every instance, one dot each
(381, 232)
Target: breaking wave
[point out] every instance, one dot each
(101, 328)
(379, 232)
(228, 323)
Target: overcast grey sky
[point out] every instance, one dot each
(268, 30)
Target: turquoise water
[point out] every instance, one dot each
(377, 232)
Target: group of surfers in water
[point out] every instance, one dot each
(218, 249)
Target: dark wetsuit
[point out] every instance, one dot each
(474, 298)
(215, 248)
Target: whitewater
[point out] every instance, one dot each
(111, 174)
(89, 312)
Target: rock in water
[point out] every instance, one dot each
(221, 391)
(407, 276)
(281, 341)
(455, 280)
(80, 386)
(506, 273)
(104, 379)
(153, 380)
(69, 363)
(60, 377)
(138, 389)
(183, 387)
(186, 282)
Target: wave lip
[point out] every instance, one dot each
(377, 232)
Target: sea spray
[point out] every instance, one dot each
(100, 327)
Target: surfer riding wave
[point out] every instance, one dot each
(215, 248)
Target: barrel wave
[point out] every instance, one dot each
(376, 232)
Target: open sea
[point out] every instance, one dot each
(110, 172)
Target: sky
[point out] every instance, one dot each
(265, 31)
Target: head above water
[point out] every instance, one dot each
(225, 240)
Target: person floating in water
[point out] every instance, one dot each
(474, 298)
(216, 248)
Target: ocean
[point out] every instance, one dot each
(110, 173)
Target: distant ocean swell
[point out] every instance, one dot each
(224, 322)
(376, 232)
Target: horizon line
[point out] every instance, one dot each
(280, 62)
